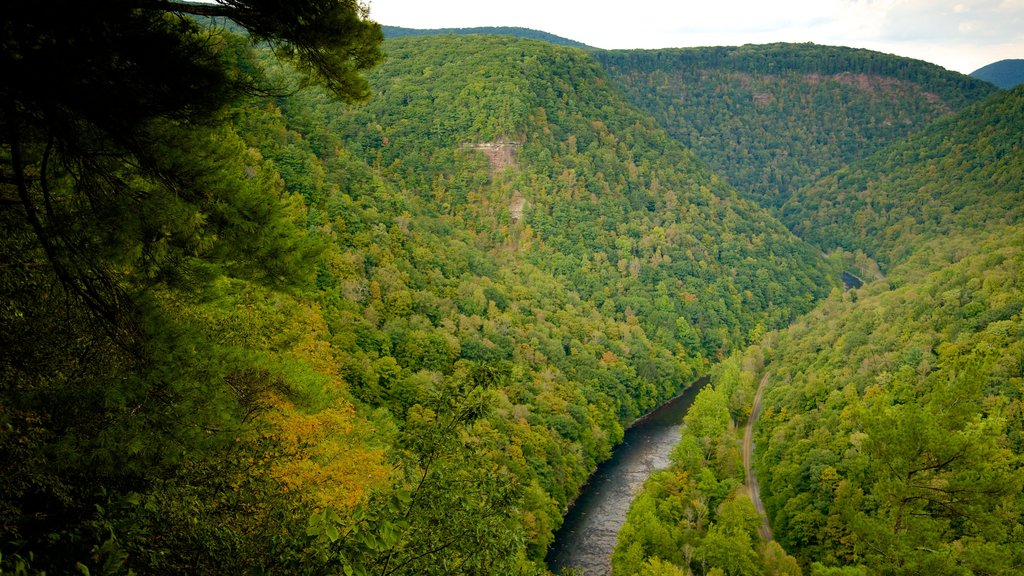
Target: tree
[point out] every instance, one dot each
(96, 96)
(453, 506)
(330, 40)
(124, 195)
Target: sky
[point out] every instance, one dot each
(961, 35)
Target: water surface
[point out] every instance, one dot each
(587, 538)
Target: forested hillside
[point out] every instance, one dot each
(963, 174)
(893, 441)
(891, 438)
(917, 379)
(248, 328)
(774, 118)
(582, 185)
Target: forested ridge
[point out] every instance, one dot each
(399, 32)
(962, 174)
(609, 203)
(313, 302)
(774, 118)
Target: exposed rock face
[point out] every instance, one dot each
(516, 206)
(500, 154)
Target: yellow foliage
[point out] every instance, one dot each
(324, 458)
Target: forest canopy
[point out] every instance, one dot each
(253, 321)
(252, 327)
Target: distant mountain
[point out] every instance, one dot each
(1005, 73)
(399, 32)
(773, 118)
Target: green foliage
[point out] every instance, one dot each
(695, 516)
(610, 205)
(133, 423)
(894, 438)
(304, 287)
(454, 508)
(399, 32)
(774, 118)
(893, 444)
(285, 336)
(330, 41)
(927, 186)
(600, 319)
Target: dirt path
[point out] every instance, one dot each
(748, 453)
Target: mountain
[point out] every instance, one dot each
(774, 118)
(915, 401)
(516, 32)
(961, 175)
(597, 182)
(246, 328)
(1004, 73)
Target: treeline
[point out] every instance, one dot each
(518, 32)
(774, 118)
(957, 90)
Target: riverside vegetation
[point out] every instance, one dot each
(253, 328)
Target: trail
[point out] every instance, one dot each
(748, 453)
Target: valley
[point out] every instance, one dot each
(301, 308)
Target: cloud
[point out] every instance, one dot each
(980, 21)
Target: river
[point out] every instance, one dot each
(587, 537)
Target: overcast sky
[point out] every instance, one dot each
(961, 35)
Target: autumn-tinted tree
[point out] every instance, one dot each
(128, 204)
